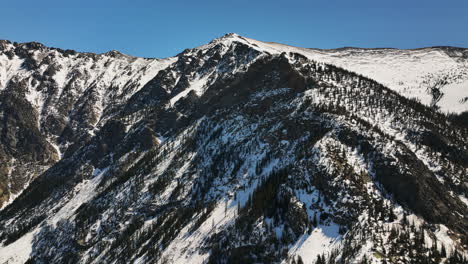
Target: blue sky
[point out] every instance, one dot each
(165, 28)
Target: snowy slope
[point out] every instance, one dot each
(66, 94)
(112, 76)
(412, 73)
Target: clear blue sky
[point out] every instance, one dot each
(164, 28)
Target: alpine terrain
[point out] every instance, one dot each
(237, 151)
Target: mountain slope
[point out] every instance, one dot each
(437, 76)
(232, 153)
(54, 99)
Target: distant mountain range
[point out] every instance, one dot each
(237, 151)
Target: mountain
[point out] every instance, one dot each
(238, 151)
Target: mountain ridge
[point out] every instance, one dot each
(7, 41)
(442, 87)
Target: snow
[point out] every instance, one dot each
(463, 199)
(125, 74)
(85, 191)
(36, 99)
(263, 94)
(197, 85)
(185, 248)
(322, 240)
(443, 237)
(57, 149)
(151, 69)
(408, 72)
(453, 96)
(60, 77)
(18, 251)
(8, 68)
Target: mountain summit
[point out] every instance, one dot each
(237, 151)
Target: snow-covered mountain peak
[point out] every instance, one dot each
(237, 151)
(436, 76)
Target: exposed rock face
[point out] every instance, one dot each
(233, 152)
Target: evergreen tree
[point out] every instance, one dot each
(314, 220)
(299, 260)
(319, 260)
(443, 252)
